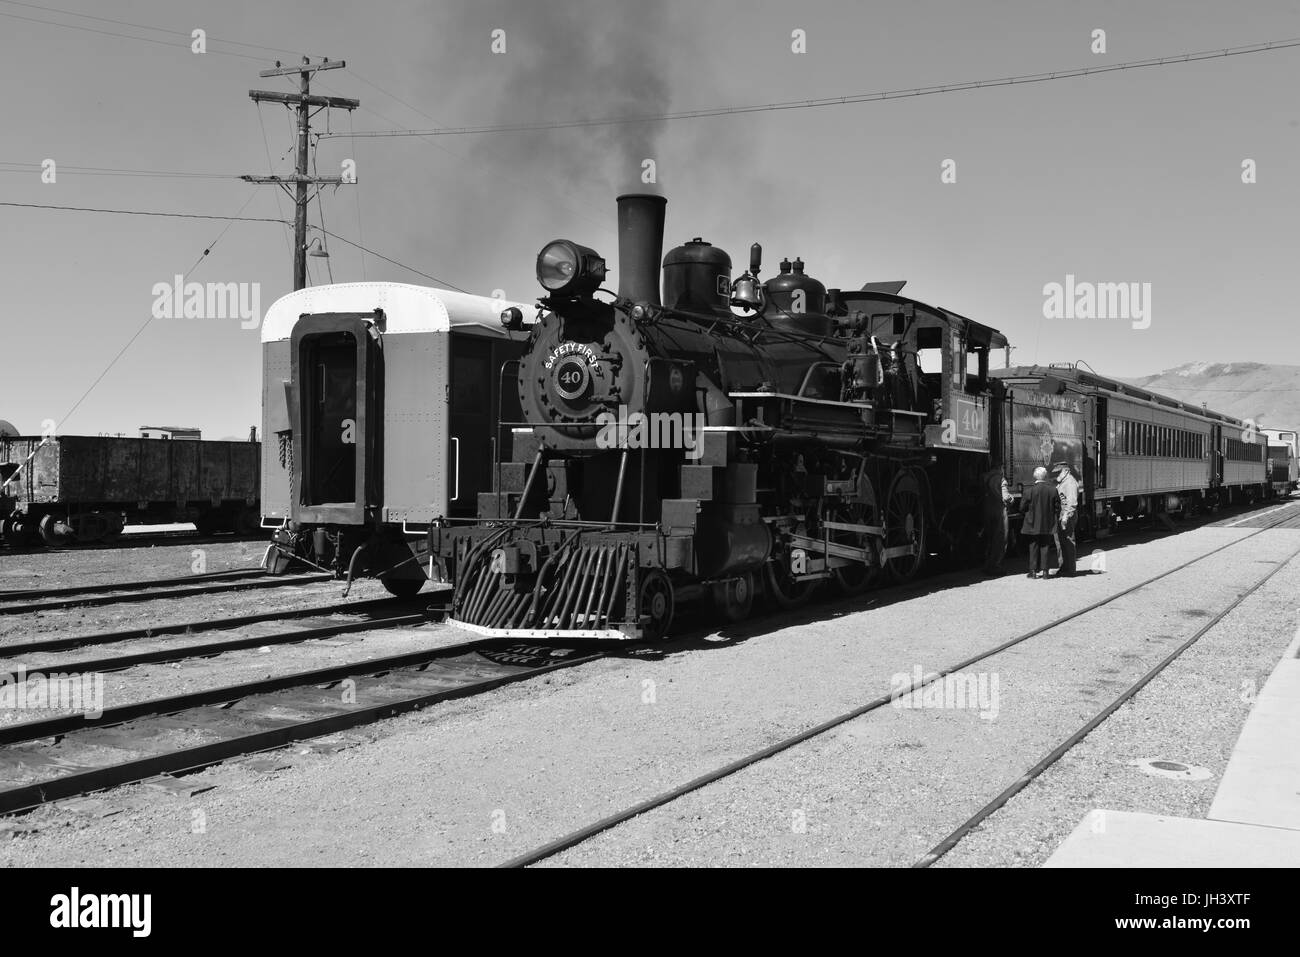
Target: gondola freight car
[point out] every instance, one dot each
(79, 489)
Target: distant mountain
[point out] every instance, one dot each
(1268, 393)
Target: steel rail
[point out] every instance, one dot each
(211, 624)
(611, 821)
(1058, 752)
(213, 648)
(134, 597)
(86, 780)
(233, 573)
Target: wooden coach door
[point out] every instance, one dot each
(1216, 456)
(1103, 440)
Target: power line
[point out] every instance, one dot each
(361, 237)
(183, 44)
(343, 239)
(146, 212)
(530, 188)
(130, 342)
(241, 219)
(6, 167)
(126, 23)
(844, 100)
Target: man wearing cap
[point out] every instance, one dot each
(1067, 488)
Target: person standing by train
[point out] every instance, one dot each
(1067, 488)
(1039, 504)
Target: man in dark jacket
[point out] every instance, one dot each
(1039, 505)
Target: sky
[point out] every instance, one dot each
(1132, 176)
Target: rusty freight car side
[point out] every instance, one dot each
(86, 488)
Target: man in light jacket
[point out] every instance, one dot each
(1067, 487)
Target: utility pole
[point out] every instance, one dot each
(303, 101)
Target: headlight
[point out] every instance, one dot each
(568, 269)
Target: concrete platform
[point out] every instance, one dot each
(1255, 818)
(1261, 784)
(1107, 838)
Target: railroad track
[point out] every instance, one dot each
(230, 575)
(63, 756)
(373, 615)
(138, 540)
(47, 760)
(19, 649)
(574, 838)
(86, 596)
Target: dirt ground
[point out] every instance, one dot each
(479, 780)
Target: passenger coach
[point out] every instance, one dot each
(1137, 452)
(384, 396)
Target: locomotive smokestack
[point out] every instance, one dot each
(640, 246)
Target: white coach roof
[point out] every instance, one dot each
(406, 308)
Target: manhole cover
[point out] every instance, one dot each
(1173, 769)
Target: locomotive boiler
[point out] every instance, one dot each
(727, 437)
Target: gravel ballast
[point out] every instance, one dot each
(480, 780)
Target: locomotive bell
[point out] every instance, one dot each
(747, 292)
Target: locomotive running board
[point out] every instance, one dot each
(605, 633)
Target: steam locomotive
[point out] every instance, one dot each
(728, 437)
(600, 465)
